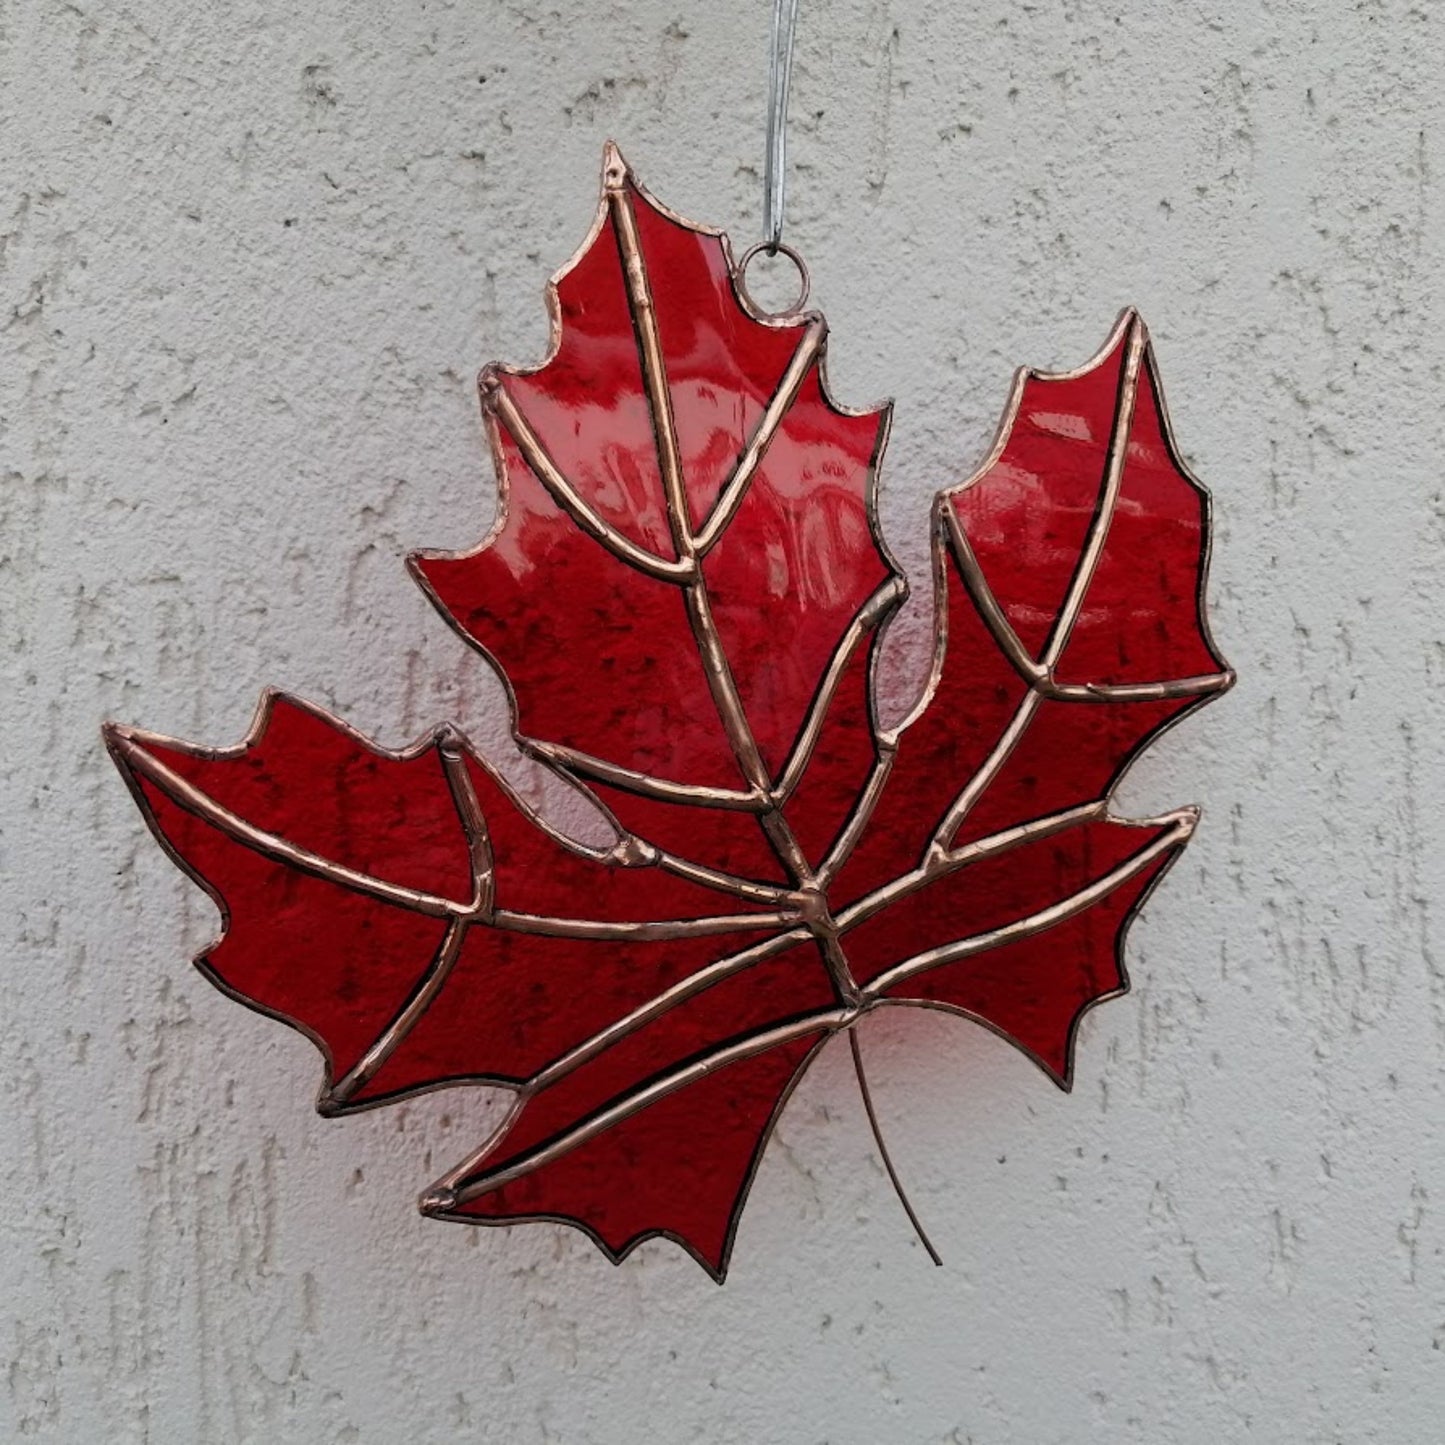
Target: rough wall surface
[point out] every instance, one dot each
(251, 256)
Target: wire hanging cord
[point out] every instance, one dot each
(780, 77)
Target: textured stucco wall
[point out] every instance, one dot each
(251, 255)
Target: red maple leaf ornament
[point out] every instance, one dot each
(686, 591)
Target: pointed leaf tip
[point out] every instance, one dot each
(615, 170)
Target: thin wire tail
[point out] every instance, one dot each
(883, 1148)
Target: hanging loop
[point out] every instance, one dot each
(780, 76)
(773, 248)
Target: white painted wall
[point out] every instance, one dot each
(251, 256)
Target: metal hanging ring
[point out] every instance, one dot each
(773, 248)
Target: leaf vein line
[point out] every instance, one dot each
(735, 489)
(496, 399)
(624, 1108)
(408, 1016)
(1108, 497)
(281, 850)
(641, 930)
(1035, 923)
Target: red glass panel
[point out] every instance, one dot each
(1033, 990)
(335, 963)
(995, 892)
(684, 590)
(842, 758)
(710, 1140)
(603, 658)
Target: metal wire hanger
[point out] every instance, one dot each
(780, 79)
(775, 167)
